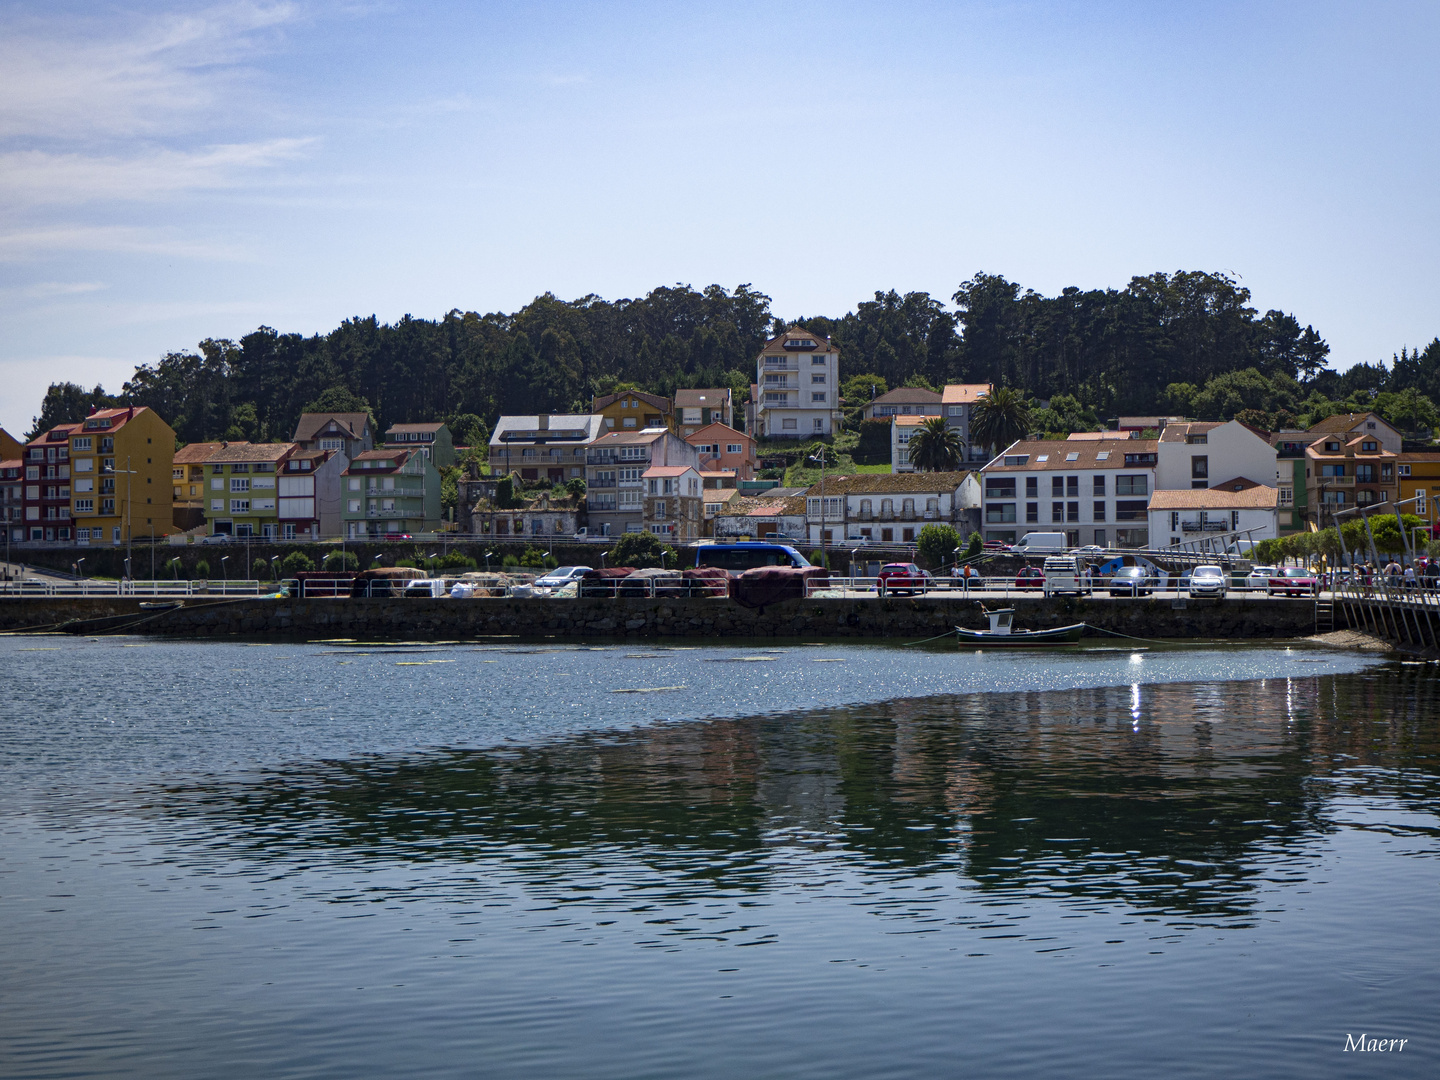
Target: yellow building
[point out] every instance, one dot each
(1420, 480)
(633, 410)
(121, 485)
(10, 447)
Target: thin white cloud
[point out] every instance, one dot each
(29, 177)
(47, 290)
(20, 245)
(68, 79)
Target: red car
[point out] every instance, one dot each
(906, 577)
(1293, 581)
(1031, 577)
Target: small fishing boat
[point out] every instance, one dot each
(160, 605)
(1003, 635)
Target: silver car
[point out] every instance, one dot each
(1207, 581)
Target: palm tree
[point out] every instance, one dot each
(936, 447)
(1000, 418)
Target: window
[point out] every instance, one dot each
(1032, 487)
(787, 425)
(1072, 486)
(1332, 447)
(1419, 504)
(630, 500)
(1404, 470)
(1000, 487)
(1103, 455)
(1197, 440)
(82, 443)
(818, 395)
(1100, 537)
(659, 507)
(819, 358)
(1057, 486)
(84, 464)
(1130, 511)
(818, 377)
(239, 506)
(1365, 474)
(1099, 486)
(1072, 511)
(217, 504)
(776, 380)
(241, 468)
(999, 513)
(1332, 470)
(819, 425)
(332, 444)
(1074, 455)
(1387, 473)
(84, 506)
(1057, 511)
(1099, 510)
(1287, 496)
(734, 448)
(354, 505)
(1199, 468)
(1368, 447)
(632, 453)
(778, 399)
(1032, 513)
(1132, 485)
(628, 422)
(1018, 459)
(239, 483)
(627, 476)
(1132, 460)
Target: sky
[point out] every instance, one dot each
(176, 171)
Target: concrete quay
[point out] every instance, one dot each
(593, 619)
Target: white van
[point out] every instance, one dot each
(1040, 543)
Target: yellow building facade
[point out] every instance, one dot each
(1420, 480)
(121, 465)
(633, 410)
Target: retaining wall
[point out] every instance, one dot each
(604, 618)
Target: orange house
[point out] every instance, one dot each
(723, 449)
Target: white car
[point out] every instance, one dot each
(560, 577)
(1259, 578)
(1207, 581)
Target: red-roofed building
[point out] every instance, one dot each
(12, 497)
(723, 449)
(47, 487)
(673, 502)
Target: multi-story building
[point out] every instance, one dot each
(798, 387)
(1196, 455)
(432, 440)
(673, 502)
(12, 497)
(187, 483)
(549, 446)
(351, 433)
(632, 410)
(695, 409)
(242, 493)
(1190, 516)
(614, 475)
(1344, 469)
(723, 450)
(1418, 474)
(391, 492)
(310, 497)
(1291, 482)
(901, 429)
(47, 486)
(904, 401)
(1095, 492)
(889, 507)
(122, 465)
(959, 401)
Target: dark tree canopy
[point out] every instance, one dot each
(1109, 351)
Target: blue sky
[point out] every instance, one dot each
(170, 172)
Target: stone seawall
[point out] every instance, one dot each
(592, 619)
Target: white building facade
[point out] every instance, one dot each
(1094, 492)
(1191, 517)
(889, 508)
(1200, 455)
(798, 387)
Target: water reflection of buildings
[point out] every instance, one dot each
(1161, 797)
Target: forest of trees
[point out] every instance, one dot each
(1186, 342)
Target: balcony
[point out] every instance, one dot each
(600, 485)
(1336, 481)
(1204, 526)
(395, 493)
(397, 513)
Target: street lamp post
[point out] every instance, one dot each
(820, 457)
(224, 570)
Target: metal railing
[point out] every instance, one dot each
(32, 587)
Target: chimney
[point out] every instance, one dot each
(544, 421)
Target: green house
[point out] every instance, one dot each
(390, 491)
(432, 440)
(240, 489)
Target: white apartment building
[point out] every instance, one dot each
(889, 508)
(1191, 516)
(901, 429)
(797, 383)
(1194, 456)
(1094, 492)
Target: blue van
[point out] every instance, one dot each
(747, 554)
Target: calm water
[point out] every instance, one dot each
(818, 861)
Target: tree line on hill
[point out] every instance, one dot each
(1187, 343)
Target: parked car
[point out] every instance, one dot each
(216, 538)
(1089, 549)
(996, 545)
(1030, 577)
(560, 577)
(903, 577)
(1207, 581)
(396, 536)
(1293, 581)
(1259, 577)
(1132, 581)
